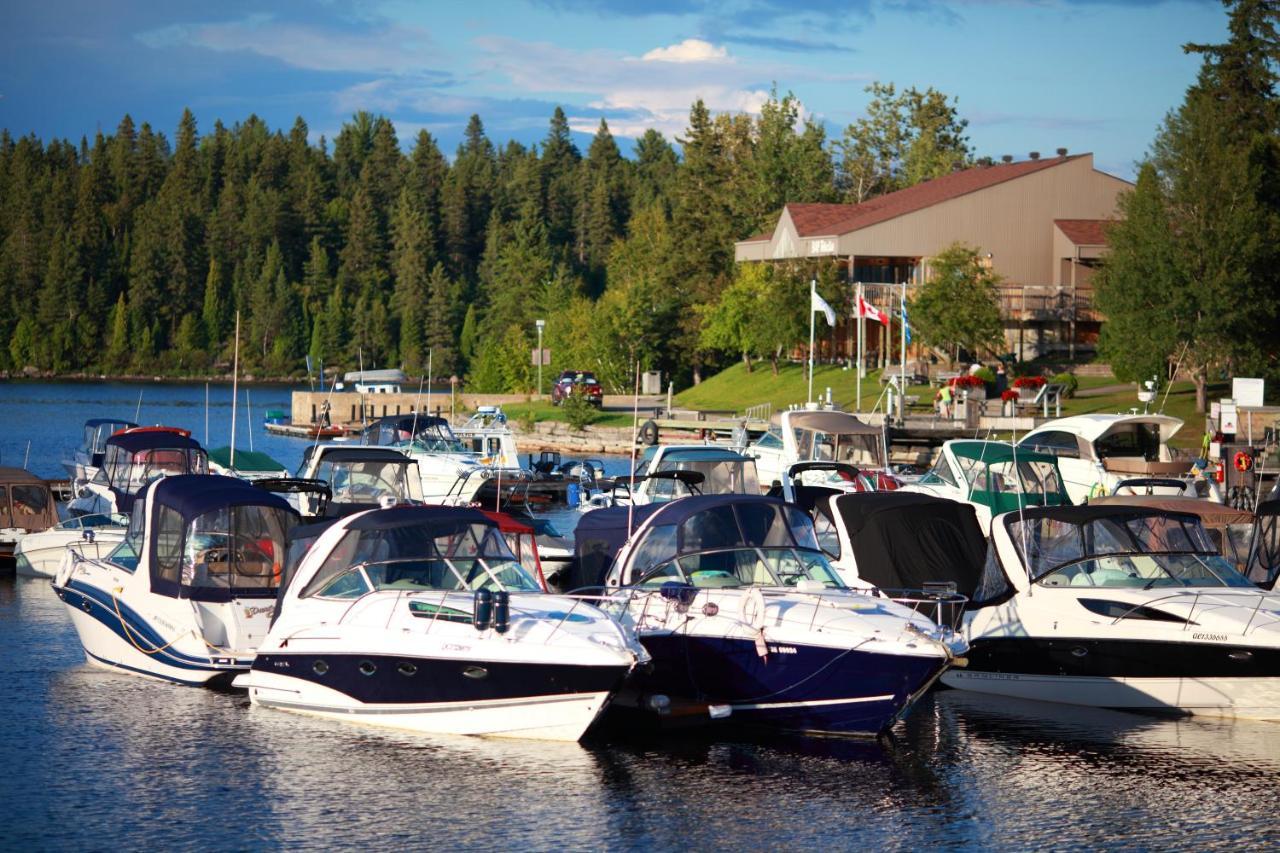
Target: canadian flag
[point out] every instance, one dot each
(871, 312)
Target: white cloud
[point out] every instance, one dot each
(689, 50)
(637, 93)
(389, 49)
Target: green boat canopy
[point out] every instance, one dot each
(994, 452)
(1006, 478)
(246, 460)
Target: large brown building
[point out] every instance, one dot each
(1040, 222)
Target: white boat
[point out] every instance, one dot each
(374, 381)
(246, 464)
(40, 554)
(443, 460)
(188, 593)
(358, 478)
(993, 477)
(131, 459)
(1097, 452)
(421, 618)
(667, 472)
(1121, 607)
(902, 540)
(26, 508)
(487, 434)
(746, 619)
(806, 435)
(85, 460)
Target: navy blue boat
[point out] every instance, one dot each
(746, 620)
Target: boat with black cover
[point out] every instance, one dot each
(1122, 607)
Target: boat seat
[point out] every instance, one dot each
(1104, 577)
(710, 579)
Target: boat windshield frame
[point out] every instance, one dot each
(674, 569)
(466, 582)
(1146, 570)
(128, 476)
(341, 489)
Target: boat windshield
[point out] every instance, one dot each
(1148, 571)
(95, 436)
(234, 548)
(437, 438)
(128, 472)
(728, 475)
(456, 558)
(742, 567)
(366, 482)
(862, 450)
(127, 554)
(1036, 478)
(99, 519)
(1142, 551)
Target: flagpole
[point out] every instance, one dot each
(813, 291)
(902, 403)
(857, 312)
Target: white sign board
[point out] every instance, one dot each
(1228, 422)
(533, 356)
(1248, 392)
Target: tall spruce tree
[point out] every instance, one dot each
(1191, 279)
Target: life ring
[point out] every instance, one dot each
(649, 433)
(1243, 461)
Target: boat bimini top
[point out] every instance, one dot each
(1103, 546)
(715, 541)
(135, 457)
(208, 538)
(411, 548)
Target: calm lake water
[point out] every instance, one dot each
(95, 760)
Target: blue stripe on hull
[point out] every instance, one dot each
(799, 689)
(103, 609)
(135, 670)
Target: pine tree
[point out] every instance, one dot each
(560, 159)
(213, 311)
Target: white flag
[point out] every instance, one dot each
(817, 303)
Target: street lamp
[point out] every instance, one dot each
(540, 324)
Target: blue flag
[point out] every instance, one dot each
(906, 325)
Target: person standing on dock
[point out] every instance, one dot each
(324, 414)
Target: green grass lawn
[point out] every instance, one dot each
(733, 390)
(544, 411)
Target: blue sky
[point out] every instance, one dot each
(1089, 75)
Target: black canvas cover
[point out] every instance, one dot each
(598, 538)
(902, 540)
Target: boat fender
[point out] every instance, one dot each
(571, 495)
(482, 613)
(649, 433)
(501, 611)
(1243, 461)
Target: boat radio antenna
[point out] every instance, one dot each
(635, 436)
(137, 412)
(235, 389)
(417, 404)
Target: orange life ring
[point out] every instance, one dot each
(1243, 461)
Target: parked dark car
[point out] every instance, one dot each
(582, 382)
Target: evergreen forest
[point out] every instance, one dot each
(133, 252)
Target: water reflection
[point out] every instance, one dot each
(97, 760)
